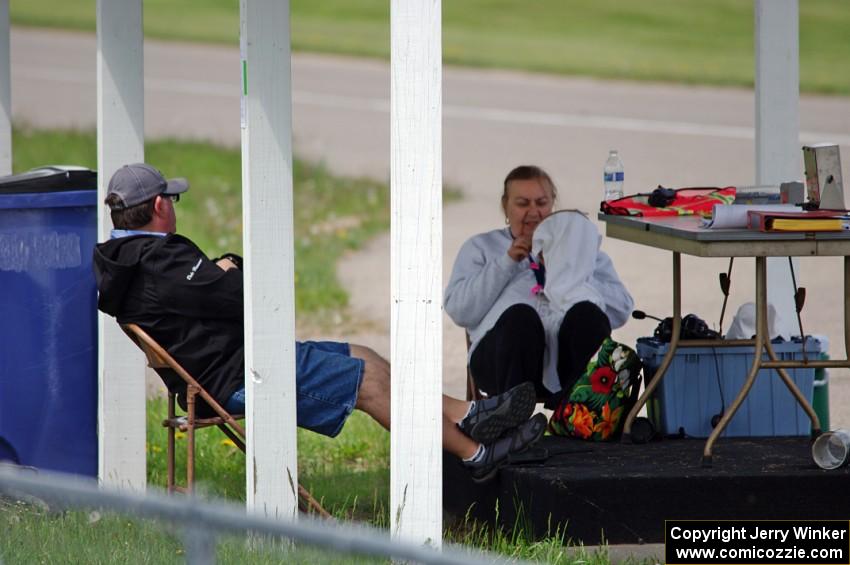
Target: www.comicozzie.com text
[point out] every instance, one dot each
(782, 534)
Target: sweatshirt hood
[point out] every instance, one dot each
(116, 263)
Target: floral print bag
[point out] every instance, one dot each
(597, 405)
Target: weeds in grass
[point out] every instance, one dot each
(519, 542)
(350, 474)
(34, 535)
(341, 472)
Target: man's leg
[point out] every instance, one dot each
(466, 426)
(374, 399)
(374, 395)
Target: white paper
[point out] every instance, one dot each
(735, 215)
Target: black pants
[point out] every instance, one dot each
(512, 351)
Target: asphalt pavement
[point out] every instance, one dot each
(671, 135)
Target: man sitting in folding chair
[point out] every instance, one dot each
(192, 305)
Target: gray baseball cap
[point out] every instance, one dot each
(140, 182)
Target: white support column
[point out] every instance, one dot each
(779, 154)
(271, 462)
(416, 490)
(5, 92)
(120, 140)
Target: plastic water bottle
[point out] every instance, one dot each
(613, 176)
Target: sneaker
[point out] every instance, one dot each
(489, 418)
(499, 452)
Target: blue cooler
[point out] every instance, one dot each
(48, 319)
(701, 381)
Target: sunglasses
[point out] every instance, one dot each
(172, 197)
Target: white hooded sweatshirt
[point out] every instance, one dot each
(568, 243)
(485, 281)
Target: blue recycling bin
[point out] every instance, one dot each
(48, 320)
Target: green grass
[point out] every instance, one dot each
(36, 535)
(687, 41)
(332, 214)
(349, 474)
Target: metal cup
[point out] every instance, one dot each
(832, 449)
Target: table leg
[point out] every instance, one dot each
(761, 332)
(671, 351)
(801, 400)
(847, 307)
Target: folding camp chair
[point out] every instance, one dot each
(159, 358)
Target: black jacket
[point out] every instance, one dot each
(184, 301)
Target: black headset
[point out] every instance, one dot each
(693, 327)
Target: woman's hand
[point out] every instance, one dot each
(520, 248)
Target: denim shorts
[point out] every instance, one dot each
(327, 379)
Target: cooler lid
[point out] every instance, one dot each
(55, 178)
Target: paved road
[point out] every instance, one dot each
(493, 120)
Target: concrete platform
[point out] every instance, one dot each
(622, 493)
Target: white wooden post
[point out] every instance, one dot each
(271, 462)
(416, 270)
(5, 92)
(779, 154)
(120, 140)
